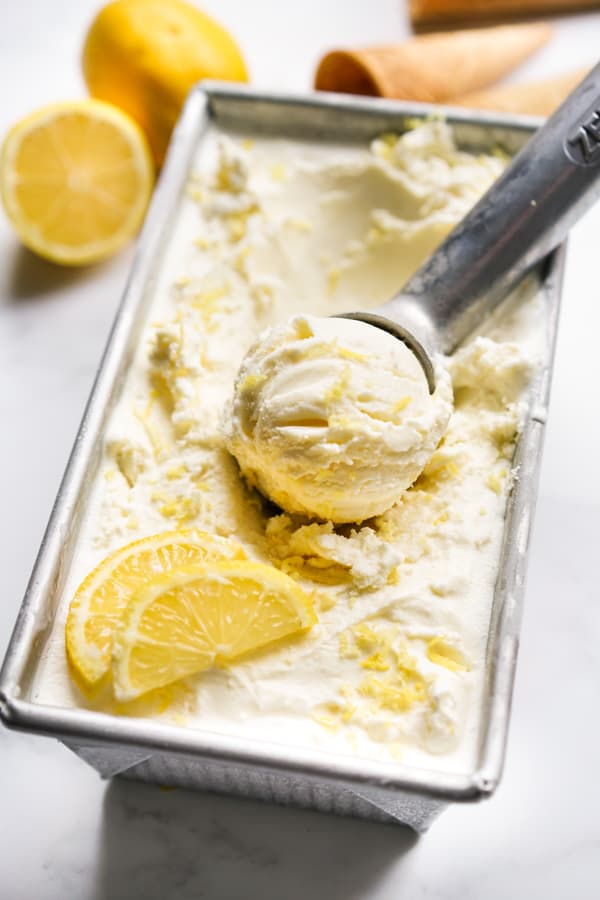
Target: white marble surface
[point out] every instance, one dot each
(65, 835)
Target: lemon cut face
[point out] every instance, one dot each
(184, 623)
(76, 179)
(103, 596)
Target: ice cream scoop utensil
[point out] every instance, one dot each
(526, 213)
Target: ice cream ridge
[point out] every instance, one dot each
(333, 417)
(289, 538)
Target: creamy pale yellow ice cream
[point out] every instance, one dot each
(333, 418)
(275, 229)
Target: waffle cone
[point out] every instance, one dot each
(432, 68)
(432, 13)
(538, 98)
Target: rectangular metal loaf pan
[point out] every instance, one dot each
(167, 754)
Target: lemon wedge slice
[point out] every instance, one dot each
(102, 597)
(75, 179)
(185, 622)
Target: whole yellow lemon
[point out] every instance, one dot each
(145, 55)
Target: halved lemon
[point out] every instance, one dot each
(185, 622)
(75, 179)
(102, 597)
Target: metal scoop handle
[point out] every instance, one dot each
(528, 211)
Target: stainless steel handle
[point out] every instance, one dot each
(528, 211)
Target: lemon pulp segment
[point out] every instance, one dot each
(185, 622)
(102, 597)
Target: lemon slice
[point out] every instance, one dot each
(102, 597)
(184, 623)
(76, 179)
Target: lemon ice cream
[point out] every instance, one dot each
(272, 230)
(333, 417)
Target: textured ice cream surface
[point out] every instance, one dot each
(270, 230)
(333, 418)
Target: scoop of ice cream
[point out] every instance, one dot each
(333, 417)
